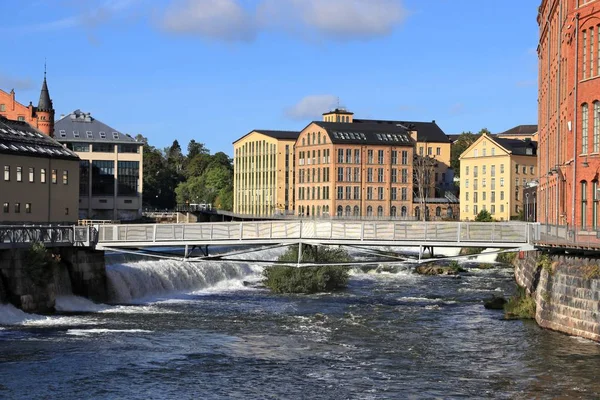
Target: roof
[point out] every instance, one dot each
(45, 103)
(339, 111)
(365, 133)
(19, 138)
(453, 137)
(518, 147)
(521, 130)
(82, 127)
(281, 135)
(426, 131)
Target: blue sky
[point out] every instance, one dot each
(213, 70)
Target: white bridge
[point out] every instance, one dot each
(505, 235)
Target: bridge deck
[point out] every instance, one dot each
(334, 232)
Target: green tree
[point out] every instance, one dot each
(484, 216)
(194, 148)
(463, 142)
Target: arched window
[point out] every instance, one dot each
(369, 211)
(380, 211)
(313, 211)
(393, 211)
(319, 138)
(403, 211)
(584, 128)
(314, 140)
(427, 213)
(438, 211)
(596, 199)
(418, 213)
(340, 211)
(303, 141)
(356, 211)
(596, 137)
(348, 211)
(449, 212)
(583, 204)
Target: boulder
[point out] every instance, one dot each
(495, 303)
(436, 270)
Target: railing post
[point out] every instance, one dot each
(493, 232)
(459, 231)
(426, 223)
(362, 231)
(154, 233)
(241, 231)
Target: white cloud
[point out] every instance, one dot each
(216, 19)
(312, 107)
(229, 20)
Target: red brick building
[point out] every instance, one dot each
(569, 113)
(40, 117)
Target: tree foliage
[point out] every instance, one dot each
(484, 216)
(461, 144)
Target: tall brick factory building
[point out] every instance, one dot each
(569, 113)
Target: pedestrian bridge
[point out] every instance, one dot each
(514, 235)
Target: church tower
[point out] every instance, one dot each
(45, 110)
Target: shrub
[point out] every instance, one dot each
(506, 258)
(591, 272)
(520, 306)
(323, 278)
(484, 216)
(39, 263)
(545, 262)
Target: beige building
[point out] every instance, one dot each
(40, 178)
(263, 178)
(520, 132)
(111, 177)
(347, 169)
(493, 175)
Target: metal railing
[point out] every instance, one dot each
(374, 232)
(569, 236)
(12, 236)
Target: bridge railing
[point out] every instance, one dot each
(12, 236)
(570, 236)
(331, 231)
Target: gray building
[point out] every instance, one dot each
(111, 173)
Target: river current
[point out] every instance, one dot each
(195, 331)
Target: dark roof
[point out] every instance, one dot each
(82, 127)
(45, 103)
(339, 111)
(426, 131)
(279, 134)
(521, 130)
(19, 138)
(518, 147)
(365, 133)
(453, 137)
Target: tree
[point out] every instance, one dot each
(423, 172)
(461, 144)
(484, 216)
(175, 157)
(194, 148)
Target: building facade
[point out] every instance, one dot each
(40, 178)
(347, 169)
(494, 172)
(569, 112)
(263, 173)
(40, 117)
(111, 168)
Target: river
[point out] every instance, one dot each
(195, 331)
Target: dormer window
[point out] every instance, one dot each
(102, 135)
(63, 133)
(76, 134)
(89, 134)
(115, 135)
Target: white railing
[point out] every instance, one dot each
(12, 236)
(328, 231)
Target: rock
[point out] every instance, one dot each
(495, 303)
(436, 270)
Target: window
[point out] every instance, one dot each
(483, 169)
(17, 208)
(357, 156)
(369, 211)
(54, 176)
(404, 175)
(7, 172)
(102, 135)
(467, 183)
(380, 211)
(467, 170)
(501, 168)
(65, 178)
(348, 156)
(483, 152)
(438, 211)
(517, 169)
(31, 174)
(493, 208)
(349, 174)
(403, 194)
(404, 157)
(340, 156)
(475, 153)
(66, 210)
(596, 137)
(531, 170)
(483, 182)
(493, 151)
(524, 170)
(115, 135)
(76, 134)
(369, 193)
(493, 184)
(369, 156)
(394, 194)
(89, 134)
(501, 208)
(129, 148)
(103, 148)
(393, 211)
(430, 151)
(583, 204)
(394, 175)
(380, 156)
(2, 107)
(103, 179)
(27, 208)
(43, 175)
(475, 172)
(380, 193)
(501, 195)
(84, 178)
(348, 192)
(584, 68)
(493, 170)
(340, 174)
(6, 208)
(584, 129)
(596, 198)
(466, 196)
(438, 151)
(420, 150)
(394, 157)
(356, 192)
(380, 175)
(340, 193)
(501, 182)
(19, 174)
(369, 174)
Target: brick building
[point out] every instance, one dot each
(40, 117)
(569, 112)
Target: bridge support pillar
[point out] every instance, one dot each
(299, 253)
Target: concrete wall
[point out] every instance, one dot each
(34, 291)
(567, 294)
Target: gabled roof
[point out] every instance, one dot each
(426, 131)
(82, 127)
(19, 138)
(517, 147)
(280, 135)
(366, 133)
(520, 130)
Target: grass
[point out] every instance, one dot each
(506, 258)
(545, 262)
(307, 280)
(520, 306)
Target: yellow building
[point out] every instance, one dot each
(263, 173)
(493, 175)
(520, 132)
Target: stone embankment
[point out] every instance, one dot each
(566, 290)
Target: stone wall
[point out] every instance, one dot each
(87, 271)
(566, 292)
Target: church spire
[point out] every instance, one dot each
(45, 102)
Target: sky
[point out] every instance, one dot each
(214, 70)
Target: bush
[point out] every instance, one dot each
(545, 262)
(507, 258)
(520, 306)
(324, 278)
(484, 216)
(39, 263)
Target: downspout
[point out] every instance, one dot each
(547, 194)
(558, 179)
(575, 115)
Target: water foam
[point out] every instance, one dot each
(97, 331)
(10, 315)
(71, 303)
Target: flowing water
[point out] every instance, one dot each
(195, 331)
